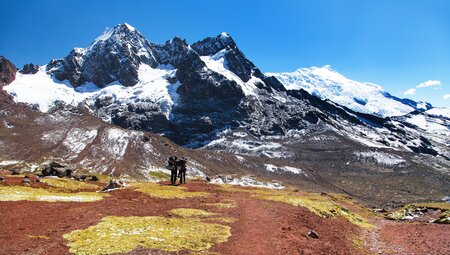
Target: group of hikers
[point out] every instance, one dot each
(177, 168)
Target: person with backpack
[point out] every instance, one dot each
(182, 166)
(172, 166)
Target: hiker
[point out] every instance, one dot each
(172, 166)
(182, 166)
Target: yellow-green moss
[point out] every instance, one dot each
(190, 212)
(321, 206)
(18, 193)
(166, 191)
(223, 219)
(68, 184)
(223, 205)
(444, 218)
(435, 205)
(123, 234)
(159, 175)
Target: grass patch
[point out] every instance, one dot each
(19, 193)
(123, 234)
(68, 184)
(322, 207)
(189, 212)
(159, 175)
(166, 191)
(223, 205)
(223, 219)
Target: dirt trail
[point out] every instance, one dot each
(262, 227)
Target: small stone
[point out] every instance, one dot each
(26, 180)
(313, 234)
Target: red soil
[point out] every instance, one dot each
(263, 227)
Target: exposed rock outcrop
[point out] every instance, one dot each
(29, 69)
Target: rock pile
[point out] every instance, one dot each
(56, 169)
(114, 184)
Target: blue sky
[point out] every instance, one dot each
(398, 44)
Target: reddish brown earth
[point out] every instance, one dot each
(263, 227)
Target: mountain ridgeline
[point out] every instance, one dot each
(212, 89)
(208, 95)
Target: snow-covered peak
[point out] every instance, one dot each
(365, 97)
(224, 35)
(131, 28)
(121, 32)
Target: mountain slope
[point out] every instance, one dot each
(326, 83)
(285, 135)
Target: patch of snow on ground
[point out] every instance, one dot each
(115, 142)
(268, 149)
(77, 139)
(194, 169)
(10, 162)
(381, 157)
(246, 181)
(240, 159)
(53, 137)
(276, 169)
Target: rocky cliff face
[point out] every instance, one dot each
(7, 75)
(7, 71)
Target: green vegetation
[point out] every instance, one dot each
(123, 234)
(189, 212)
(223, 219)
(18, 193)
(324, 206)
(68, 184)
(166, 191)
(159, 175)
(223, 205)
(321, 206)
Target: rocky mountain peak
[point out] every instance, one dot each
(113, 56)
(212, 45)
(7, 71)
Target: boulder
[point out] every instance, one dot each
(26, 180)
(93, 178)
(313, 234)
(114, 184)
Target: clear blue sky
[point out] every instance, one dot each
(395, 43)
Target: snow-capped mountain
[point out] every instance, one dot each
(207, 94)
(363, 97)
